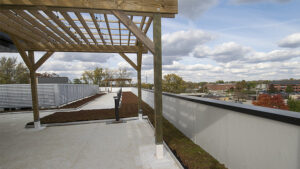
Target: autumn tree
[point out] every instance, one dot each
(173, 83)
(271, 101)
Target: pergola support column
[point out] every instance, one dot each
(139, 79)
(157, 63)
(34, 93)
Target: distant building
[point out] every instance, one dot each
(220, 87)
(56, 80)
(282, 85)
(262, 87)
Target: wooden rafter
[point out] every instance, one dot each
(52, 27)
(108, 28)
(83, 23)
(129, 34)
(135, 30)
(45, 29)
(97, 27)
(10, 24)
(141, 27)
(62, 25)
(94, 48)
(37, 24)
(74, 26)
(120, 32)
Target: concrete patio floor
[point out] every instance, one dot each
(91, 146)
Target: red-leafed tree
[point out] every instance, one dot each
(274, 101)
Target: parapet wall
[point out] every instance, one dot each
(50, 95)
(239, 136)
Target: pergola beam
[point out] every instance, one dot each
(42, 60)
(135, 30)
(128, 60)
(22, 52)
(94, 48)
(135, 6)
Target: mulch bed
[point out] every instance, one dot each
(82, 101)
(128, 109)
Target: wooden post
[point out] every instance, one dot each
(34, 93)
(157, 63)
(139, 78)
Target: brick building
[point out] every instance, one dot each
(220, 87)
(282, 85)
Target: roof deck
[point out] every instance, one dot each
(98, 145)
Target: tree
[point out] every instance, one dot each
(289, 89)
(272, 89)
(239, 90)
(220, 81)
(13, 72)
(46, 74)
(93, 76)
(274, 101)
(122, 73)
(294, 105)
(173, 83)
(77, 81)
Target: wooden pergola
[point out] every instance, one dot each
(104, 26)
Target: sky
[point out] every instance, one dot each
(211, 40)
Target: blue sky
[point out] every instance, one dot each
(211, 40)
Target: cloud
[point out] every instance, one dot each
(180, 44)
(291, 41)
(273, 56)
(225, 52)
(232, 52)
(194, 8)
(255, 1)
(84, 57)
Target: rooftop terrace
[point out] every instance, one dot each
(97, 145)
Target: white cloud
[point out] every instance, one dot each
(225, 52)
(192, 9)
(180, 44)
(84, 57)
(275, 55)
(291, 41)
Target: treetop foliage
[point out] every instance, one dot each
(12, 72)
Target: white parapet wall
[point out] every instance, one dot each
(239, 136)
(50, 95)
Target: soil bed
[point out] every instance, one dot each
(81, 102)
(128, 109)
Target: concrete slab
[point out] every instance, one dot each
(95, 146)
(103, 102)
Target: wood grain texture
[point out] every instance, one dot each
(151, 6)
